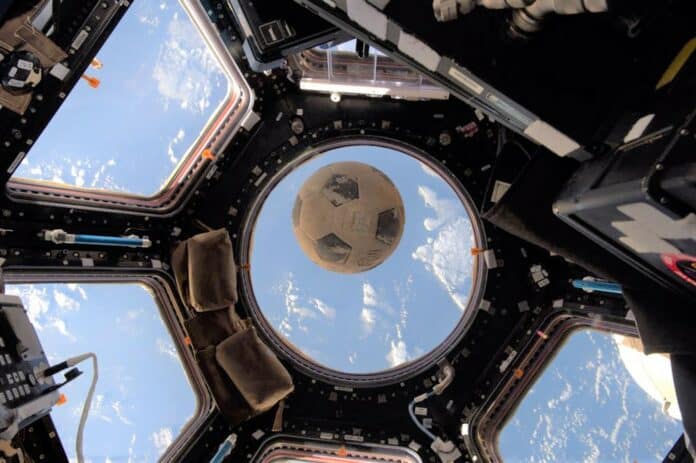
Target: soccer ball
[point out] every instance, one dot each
(348, 217)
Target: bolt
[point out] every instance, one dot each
(445, 138)
(659, 167)
(684, 132)
(297, 125)
(335, 97)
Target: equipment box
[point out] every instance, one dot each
(639, 200)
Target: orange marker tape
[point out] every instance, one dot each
(91, 81)
(62, 400)
(208, 154)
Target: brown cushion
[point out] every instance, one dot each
(227, 398)
(211, 328)
(255, 371)
(205, 272)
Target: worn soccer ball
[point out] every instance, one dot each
(348, 217)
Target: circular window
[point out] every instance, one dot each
(381, 324)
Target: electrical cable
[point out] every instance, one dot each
(412, 414)
(86, 408)
(88, 400)
(445, 380)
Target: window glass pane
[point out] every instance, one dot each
(594, 403)
(377, 319)
(143, 397)
(347, 47)
(130, 133)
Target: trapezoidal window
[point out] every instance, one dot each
(307, 451)
(339, 70)
(143, 398)
(599, 399)
(166, 85)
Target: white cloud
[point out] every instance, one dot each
(134, 314)
(448, 255)
(36, 302)
(116, 407)
(81, 172)
(445, 209)
(428, 170)
(371, 298)
(397, 353)
(299, 309)
(61, 327)
(78, 175)
(167, 348)
(178, 138)
(77, 288)
(352, 358)
(323, 308)
(185, 70)
(369, 295)
(162, 439)
(152, 21)
(65, 302)
(367, 320)
(131, 447)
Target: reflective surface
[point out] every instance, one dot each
(130, 134)
(382, 318)
(586, 406)
(143, 397)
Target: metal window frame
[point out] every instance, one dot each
(216, 135)
(329, 451)
(388, 376)
(319, 68)
(539, 353)
(173, 313)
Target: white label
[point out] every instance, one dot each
(557, 142)
(499, 190)
(80, 39)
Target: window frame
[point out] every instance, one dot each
(173, 313)
(283, 347)
(538, 354)
(286, 445)
(317, 73)
(234, 112)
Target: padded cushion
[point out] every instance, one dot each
(255, 371)
(205, 272)
(227, 398)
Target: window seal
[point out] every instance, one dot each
(215, 136)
